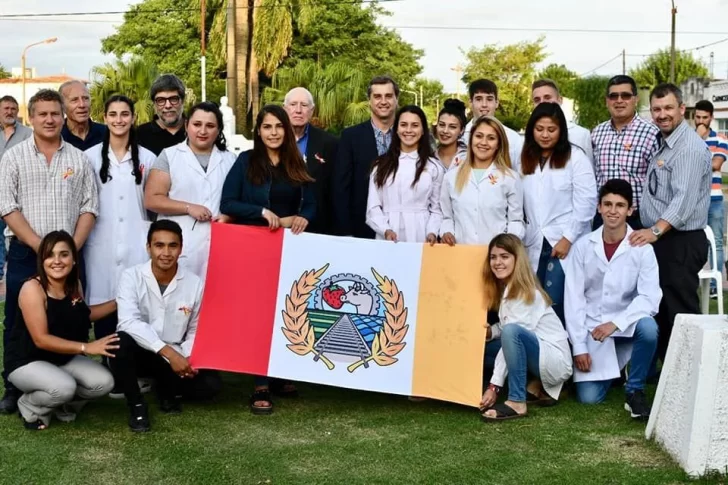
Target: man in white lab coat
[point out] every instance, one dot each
(612, 294)
(159, 305)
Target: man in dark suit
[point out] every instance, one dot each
(319, 150)
(359, 146)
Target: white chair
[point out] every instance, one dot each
(713, 272)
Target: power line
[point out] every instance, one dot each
(602, 65)
(558, 30)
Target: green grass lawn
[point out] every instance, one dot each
(338, 436)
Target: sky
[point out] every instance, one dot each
(442, 28)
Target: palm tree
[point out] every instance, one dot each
(337, 88)
(132, 78)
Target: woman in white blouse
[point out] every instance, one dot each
(533, 340)
(560, 197)
(451, 150)
(118, 239)
(483, 197)
(404, 186)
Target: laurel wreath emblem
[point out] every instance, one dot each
(389, 341)
(298, 329)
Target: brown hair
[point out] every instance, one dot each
(45, 251)
(522, 284)
(502, 158)
(294, 167)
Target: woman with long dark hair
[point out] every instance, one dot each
(185, 183)
(270, 186)
(46, 357)
(404, 186)
(560, 197)
(451, 150)
(117, 239)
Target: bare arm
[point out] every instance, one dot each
(156, 195)
(83, 228)
(19, 225)
(102, 310)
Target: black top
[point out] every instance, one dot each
(68, 319)
(285, 198)
(95, 135)
(320, 161)
(155, 138)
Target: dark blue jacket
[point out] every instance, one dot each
(244, 201)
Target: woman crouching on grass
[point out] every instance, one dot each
(47, 353)
(533, 340)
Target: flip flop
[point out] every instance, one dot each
(264, 396)
(503, 412)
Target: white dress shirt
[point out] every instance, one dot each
(484, 208)
(622, 291)
(581, 137)
(118, 240)
(155, 320)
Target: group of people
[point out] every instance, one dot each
(586, 233)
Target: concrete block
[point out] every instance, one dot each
(690, 412)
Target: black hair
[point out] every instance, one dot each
(703, 105)
(618, 187)
(665, 89)
(210, 107)
(531, 153)
(456, 108)
(164, 225)
(483, 86)
(133, 144)
(45, 250)
(622, 79)
(383, 80)
(167, 82)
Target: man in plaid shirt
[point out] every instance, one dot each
(624, 145)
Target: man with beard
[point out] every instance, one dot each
(79, 130)
(675, 209)
(359, 146)
(11, 132)
(168, 126)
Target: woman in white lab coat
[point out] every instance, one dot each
(404, 186)
(483, 197)
(185, 183)
(117, 240)
(533, 340)
(451, 150)
(560, 197)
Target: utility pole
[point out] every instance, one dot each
(712, 65)
(203, 67)
(458, 71)
(231, 81)
(672, 45)
(624, 61)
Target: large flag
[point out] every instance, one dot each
(398, 318)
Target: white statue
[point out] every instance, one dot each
(228, 119)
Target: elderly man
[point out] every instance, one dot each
(79, 130)
(45, 185)
(675, 208)
(319, 151)
(168, 126)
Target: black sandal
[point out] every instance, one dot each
(36, 425)
(503, 412)
(279, 389)
(258, 396)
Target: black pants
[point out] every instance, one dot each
(680, 256)
(132, 361)
(106, 326)
(634, 221)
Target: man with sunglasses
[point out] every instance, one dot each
(624, 144)
(168, 126)
(675, 209)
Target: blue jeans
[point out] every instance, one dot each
(716, 221)
(551, 275)
(644, 346)
(520, 349)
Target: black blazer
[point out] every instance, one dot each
(350, 180)
(320, 159)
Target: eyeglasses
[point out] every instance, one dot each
(160, 101)
(624, 95)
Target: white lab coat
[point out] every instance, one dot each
(460, 157)
(558, 203)
(597, 291)
(155, 320)
(515, 143)
(411, 212)
(191, 184)
(581, 137)
(483, 209)
(554, 361)
(118, 239)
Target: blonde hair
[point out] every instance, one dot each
(522, 284)
(502, 158)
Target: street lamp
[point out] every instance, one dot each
(414, 93)
(22, 68)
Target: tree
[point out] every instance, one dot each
(513, 69)
(564, 78)
(4, 73)
(433, 93)
(589, 100)
(132, 78)
(656, 69)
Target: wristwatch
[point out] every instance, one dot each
(656, 231)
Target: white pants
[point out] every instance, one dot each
(47, 387)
